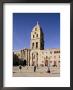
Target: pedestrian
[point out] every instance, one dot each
(34, 68)
(20, 67)
(48, 68)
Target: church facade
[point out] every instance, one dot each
(37, 55)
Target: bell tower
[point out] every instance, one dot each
(37, 38)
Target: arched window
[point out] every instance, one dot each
(46, 57)
(37, 53)
(59, 56)
(32, 45)
(37, 35)
(33, 36)
(50, 52)
(36, 44)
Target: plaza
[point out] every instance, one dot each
(40, 72)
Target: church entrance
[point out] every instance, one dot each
(46, 62)
(34, 59)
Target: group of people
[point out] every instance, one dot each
(48, 71)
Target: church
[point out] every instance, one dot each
(37, 55)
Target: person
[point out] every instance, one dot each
(20, 67)
(48, 68)
(34, 68)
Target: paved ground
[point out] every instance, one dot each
(40, 72)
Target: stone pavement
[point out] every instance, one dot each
(40, 72)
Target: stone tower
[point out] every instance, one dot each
(37, 38)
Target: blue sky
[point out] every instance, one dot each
(24, 22)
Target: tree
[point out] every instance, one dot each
(15, 60)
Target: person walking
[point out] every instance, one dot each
(48, 68)
(20, 67)
(34, 68)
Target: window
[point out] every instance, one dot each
(32, 45)
(37, 35)
(36, 44)
(33, 36)
(46, 57)
(54, 51)
(37, 54)
(59, 56)
(50, 52)
(35, 32)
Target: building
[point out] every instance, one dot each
(36, 54)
